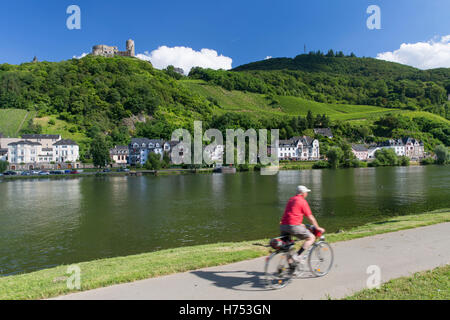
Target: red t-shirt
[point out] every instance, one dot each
(296, 208)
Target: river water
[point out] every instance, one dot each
(46, 222)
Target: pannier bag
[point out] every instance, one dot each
(280, 243)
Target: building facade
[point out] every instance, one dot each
(409, 147)
(119, 155)
(66, 151)
(360, 151)
(326, 132)
(140, 148)
(111, 51)
(299, 148)
(24, 151)
(46, 140)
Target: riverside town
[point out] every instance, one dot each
(225, 160)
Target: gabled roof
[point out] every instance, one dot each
(411, 140)
(24, 142)
(293, 142)
(41, 136)
(359, 147)
(119, 149)
(323, 131)
(140, 141)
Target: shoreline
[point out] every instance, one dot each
(51, 282)
(178, 171)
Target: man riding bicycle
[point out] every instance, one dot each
(291, 222)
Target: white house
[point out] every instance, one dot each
(408, 147)
(24, 151)
(299, 148)
(66, 151)
(396, 145)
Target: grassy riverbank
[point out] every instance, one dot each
(100, 273)
(428, 285)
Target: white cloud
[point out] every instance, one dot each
(186, 58)
(423, 55)
(80, 57)
(268, 57)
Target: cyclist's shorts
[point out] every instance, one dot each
(299, 231)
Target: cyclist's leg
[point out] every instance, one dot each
(286, 230)
(303, 233)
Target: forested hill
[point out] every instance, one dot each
(335, 78)
(348, 65)
(117, 98)
(97, 93)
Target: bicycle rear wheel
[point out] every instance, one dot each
(277, 271)
(320, 259)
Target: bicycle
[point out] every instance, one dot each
(280, 268)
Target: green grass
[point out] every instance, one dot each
(12, 120)
(60, 127)
(258, 106)
(296, 165)
(100, 273)
(65, 129)
(428, 285)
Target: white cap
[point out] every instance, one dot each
(302, 189)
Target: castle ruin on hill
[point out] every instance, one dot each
(109, 51)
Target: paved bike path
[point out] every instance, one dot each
(396, 254)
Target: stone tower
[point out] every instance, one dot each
(130, 48)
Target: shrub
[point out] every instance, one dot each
(243, 167)
(3, 166)
(153, 162)
(427, 161)
(321, 165)
(334, 156)
(442, 154)
(403, 161)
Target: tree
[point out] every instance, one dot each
(334, 156)
(153, 161)
(166, 160)
(404, 161)
(386, 157)
(100, 151)
(310, 120)
(3, 166)
(442, 154)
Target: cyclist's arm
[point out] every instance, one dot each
(313, 220)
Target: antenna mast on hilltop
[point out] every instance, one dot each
(304, 48)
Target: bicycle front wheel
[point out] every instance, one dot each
(321, 259)
(277, 271)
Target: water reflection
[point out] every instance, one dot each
(50, 222)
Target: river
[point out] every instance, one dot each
(48, 222)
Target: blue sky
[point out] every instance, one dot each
(246, 30)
